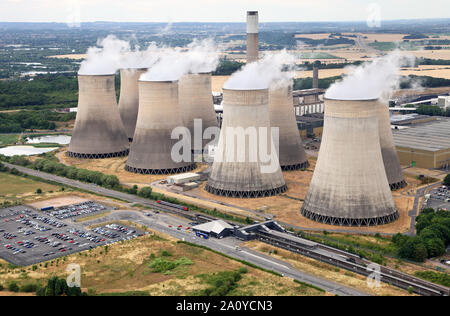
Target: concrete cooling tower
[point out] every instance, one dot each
(159, 115)
(238, 170)
(129, 99)
(389, 152)
(292, 156)
(252, 36)
(349, 186)
(98, 132)
(196, 102)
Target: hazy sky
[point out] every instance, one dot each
(217, 10)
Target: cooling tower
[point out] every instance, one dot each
(159, 115)
(196, 102)
(238, 170)
(129, 99)
(349, 186)
(292, 156)
(98, 132)
(390, 158)
(252, 36)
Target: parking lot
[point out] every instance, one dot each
(438, 198)
(29, 236)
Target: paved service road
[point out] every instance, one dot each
(226, 246)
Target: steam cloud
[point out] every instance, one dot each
(199, 57)
(272, 70)
(112, 54)
(371, 80)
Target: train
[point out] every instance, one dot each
(180, 207)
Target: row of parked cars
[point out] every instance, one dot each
(85, 208)
(86, 235)
(49, 221)
(33, 224)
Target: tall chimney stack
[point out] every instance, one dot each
(316, 74)
(252, 36)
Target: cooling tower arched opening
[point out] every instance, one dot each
(292, 155)
(239, 169)
(349, 186)
(98, 132)
(159, 115)
(129, 99)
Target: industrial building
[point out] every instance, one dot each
(350, 186)
(183, 178)
(217, 229)
(310, 125)
(196, 103)
(252, 36)
(309, 101)
(424, 145)
(292, 156)
(99, 132)
(129, 99)
(244, 177)
(159, 115)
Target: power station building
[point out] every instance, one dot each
(350, 186)
(238, 169)
(159, 115)
(98, 132)
(129, 99)
(292, 156)
(252, 36)
(196, 103)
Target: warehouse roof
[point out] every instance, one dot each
(431, 136)
(216, 227)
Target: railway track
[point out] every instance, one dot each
(353, 263)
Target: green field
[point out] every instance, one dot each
(320, 55)
(8, 139)
(388, 46)
(13, 187)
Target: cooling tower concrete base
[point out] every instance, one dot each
(98, 132)
(159, 115)
(245, 113)
(292, 156)
(349, 186)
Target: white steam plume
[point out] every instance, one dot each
(113, 54)
(199, 57)
(371, 80)
(104, 60)
(273, 69)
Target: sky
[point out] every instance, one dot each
(218, 10)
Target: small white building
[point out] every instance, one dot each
(183, 178)
(444, 102)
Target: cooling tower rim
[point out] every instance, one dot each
(159, 81)
(352, 100)
(101, 75)
(135, 68)
(242, 90)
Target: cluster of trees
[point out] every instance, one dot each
(227, 67)
(411, 81)
(433, 235)
(223, 283)
(307, 83)
(415, 36)
(58, 287)
(433, 110)
(32, 120)
(428, 61)
(325, 42)
(447, 180)
(51, 90)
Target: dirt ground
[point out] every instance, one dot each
(60, 201)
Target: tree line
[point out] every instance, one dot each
(32, 120)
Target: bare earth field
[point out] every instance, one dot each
(125, 267)
(60, 201)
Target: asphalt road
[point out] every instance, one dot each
(222, 246)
